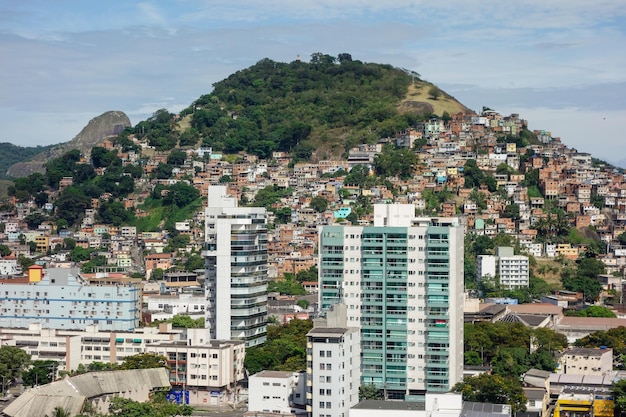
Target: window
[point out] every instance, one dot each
(328, 379)
(321, 353)
(322, 391)
(322, 366)
(329, 392)
(329, 366)
(329, 354)
(322, 403)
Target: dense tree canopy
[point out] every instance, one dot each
(285, 349)
(493, 389)
(144, 361)
(278, 106)
(13, 361)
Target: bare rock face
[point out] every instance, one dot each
(98, 129)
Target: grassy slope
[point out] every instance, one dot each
(418, 91)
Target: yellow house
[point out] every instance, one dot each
(567, 251)
(573, 404)
(453, 171)
(43, 243)
(511, 148)
(583, 405)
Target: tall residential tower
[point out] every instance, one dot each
(235, 254)
(402, 280)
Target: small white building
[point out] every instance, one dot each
(277, 392)
(585, 361)
(512, 270)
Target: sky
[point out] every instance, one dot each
(560, 64)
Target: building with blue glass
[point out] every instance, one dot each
(402, 282)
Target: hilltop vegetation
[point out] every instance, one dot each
(11, 154)
(316, 110)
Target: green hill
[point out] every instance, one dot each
(11, 154)
(317, 109)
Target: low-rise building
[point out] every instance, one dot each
(60, 298)
(585, 361)
(277, 392)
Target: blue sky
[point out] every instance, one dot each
(561, 64)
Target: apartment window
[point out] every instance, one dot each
(322, 391)
(329, 354)
(329, 366)
(328, 404)
(322, 404)
(329, 392)
(322, 366)
(328, 379)
(322, 353)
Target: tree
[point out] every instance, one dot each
(158, 406)
(512, 212)
(619, 395)
(193, 263)
(186, 322)
(434, 93)
(157, 274)
(4, 251)
(176, 157)
(493, 389)
(13, 361)
(284, 350)
(283, 215)
(71, 204)
(33, 220)
(181, 194)
(41, 372)
(319, 204)
(395, 162)
(144, 361)
(370, 392)
(60, 412)
(593, 311)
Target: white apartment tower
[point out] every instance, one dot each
(512, 270)
(402, 281)
(235, 253)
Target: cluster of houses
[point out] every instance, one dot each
(41, 305)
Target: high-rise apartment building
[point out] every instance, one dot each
(235, 254)
(402, 281)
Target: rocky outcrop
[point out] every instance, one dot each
(98, 129)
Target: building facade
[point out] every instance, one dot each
(236, 264)
(333, 374)
(513, 271)
(402, 281)
(277, 393)
(59, 298)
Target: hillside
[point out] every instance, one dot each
(11, 154)
(99, 128)
(419, 100)
(318, 110)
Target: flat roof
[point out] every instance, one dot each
(273, 374)
(327, 331)
(389, 405)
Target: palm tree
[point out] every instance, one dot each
(60, 412)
